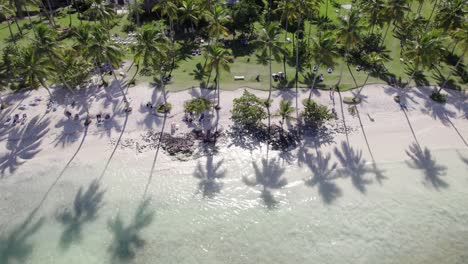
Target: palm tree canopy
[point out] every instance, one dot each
(324, 49)
(151, 45)
(426, 50)
(218, 57)
(452, 15)
(349, 32)
(34, 68)
(269, 39)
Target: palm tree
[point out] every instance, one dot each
(394, 13)
(286, 7)
(189, 12)
(423, 52)
(452, 15)
(103, 50)
(35, 69)
(217, 16)
(100, 10)
(349, 35)
(151, 44)
(324, 51)
(269, 43)
(463, 32)
(375, 60)
(219, 59)
(374, 10)
(285, 111)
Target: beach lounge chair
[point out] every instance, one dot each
(330, 70)
(239, 78)
(99, 119)
(22, 107)
(15, 119)
(321, 78)
(315, 68)
(23, 120)
(8, 120)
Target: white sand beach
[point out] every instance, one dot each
(365, 194)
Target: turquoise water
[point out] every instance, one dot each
(412, 215)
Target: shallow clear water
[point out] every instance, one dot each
(410, 216)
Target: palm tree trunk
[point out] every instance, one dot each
(297, 67)
(352, 75)
(47, 88)
(284, 57)
(69, 14)
(326, 9)
(386, 31)
(11, 32)
(312, 88)
(18, 27)
(362, 87)
(50, 13)
(432, 13)
(217, 85)
(271, 86)
(416, 69)
(453, 70)
(121, 89)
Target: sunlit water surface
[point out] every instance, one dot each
(409, 216)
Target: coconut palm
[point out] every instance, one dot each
(349, 34)
(423, 52)
(34, 68)
(100, 10)
(394, 13)
(219, 59)
(374, 11)
(324, 50)
(285, 8)
(190, 12)
(376, 63)
(6, 14)
(452, 15)
(285, 111)
(269, 44)
(217, 16)
(150, 44)
(105, 51)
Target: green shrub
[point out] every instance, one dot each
(439, 97)
(164, 108)
(248, 110)
(197, 105)
(129, 27)
(315, 114)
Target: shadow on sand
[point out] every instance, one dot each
(127, 239)
(23, 143)
(323, 176)
(353, 165)
(269, 176)
(14, 245)
(209, 175)
(85, 207)
(423, 160)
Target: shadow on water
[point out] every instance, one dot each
(323, 176)
(423, 160)
(353, 165)
(85, 207)
(150, 178)
(23, 143)
(209, 175)
(127, 239)
(14, 245)
(269, 176)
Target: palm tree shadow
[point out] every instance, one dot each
(269, 176)
(127, 239)
(151, 117)
(85, 207)
(353, 165)
(209, 185)
(323, 176)
(463, 159)
(15, 246)
(23, 144)
(202, 93)
(423, 160)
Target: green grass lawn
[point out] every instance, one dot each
(245, 60)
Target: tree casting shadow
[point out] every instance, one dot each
(127, 239)
(209, 175)
(354, 166)
(23, 143)
(323, 176)
(269, 176)
(85, 207)
(15, 246)
(423, 160)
